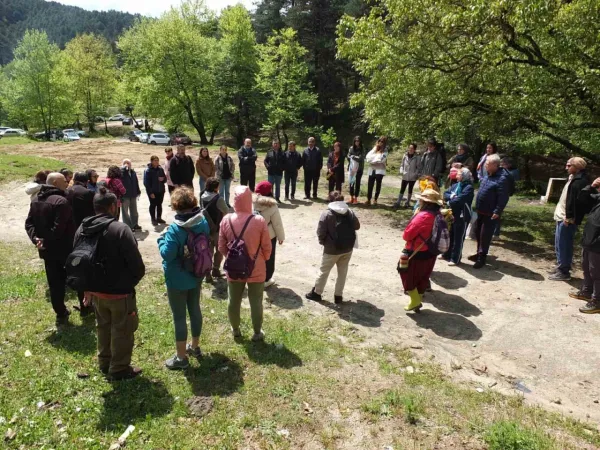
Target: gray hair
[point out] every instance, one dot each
(466, 174)
(493, 159)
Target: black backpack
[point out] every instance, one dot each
(84, 269)
(345, 234)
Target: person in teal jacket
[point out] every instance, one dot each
(183, 288)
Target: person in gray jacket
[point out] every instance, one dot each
(337, 234)
(215, 208)
(432, 162)
(409, 170)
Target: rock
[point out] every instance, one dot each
(83, 375)
(480, 390)
(307, 408)
(557, 401)
(473, 345)
(533, 366)
(10, 435)
(416, 346)
(200, 406)
(40, 405)
(409, 369)
(283, 433)
(596, 401)
(492, 384)
(454, 365)
(27, 353)
(419, 335)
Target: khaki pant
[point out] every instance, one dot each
(116, 322)
(327, 263)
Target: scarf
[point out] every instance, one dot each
(461, 158)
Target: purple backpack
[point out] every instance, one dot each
(239, 265)
(197, 255)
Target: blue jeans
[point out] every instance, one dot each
(202, 182)
(275, 180)
(563, 244)
(457, 239)
(224, 187)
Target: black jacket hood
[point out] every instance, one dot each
(96, 224)
(48, 190)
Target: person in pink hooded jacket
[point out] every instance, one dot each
(258, 242)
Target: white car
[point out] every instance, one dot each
(12, 132)
(71, 136)
(117, 118)
(159, 138)
(69, 130)
(144, 137)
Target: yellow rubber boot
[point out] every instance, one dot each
(415, 301)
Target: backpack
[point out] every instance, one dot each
(439, 241)
(83, 267)
(238, 264)
(345, 234)
(197, 254)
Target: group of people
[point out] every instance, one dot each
(74, 223)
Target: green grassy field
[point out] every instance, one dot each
(19, 167)
(312, 381)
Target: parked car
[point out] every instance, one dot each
(117, 118)
(127, 121)
(159, 138)
(181, 138)
(82, 133)
(69, 130)
(133, 135)
(71, 136)
(144, 137)
(12, 132)
(4, 129)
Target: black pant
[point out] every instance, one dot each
(171, 188)
(271, 260)
(334, 183)
(372, 180)
(410, 184)
(248, 177)
(57, 277)
(156, 206)
(311, 178)
(290, 177)
(485, 228)
(355, 188)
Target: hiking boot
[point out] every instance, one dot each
(159, 220)
(86, 311)
(193, 352)
(258, 337)
(560, 276)
(64, 319)
(127, 374)
(338, 299)
(591, 307)
(175, 363)
(236, 332)
(580, 295)
(269, 283)
(312, 295)
(553, 270)
(479, 263)
(216, 273)
(473, 258)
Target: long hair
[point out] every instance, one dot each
(114, 172)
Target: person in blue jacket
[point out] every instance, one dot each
(154, 182)
(183, 288)
(459, 197)
(491, 201)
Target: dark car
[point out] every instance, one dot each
(133, 135)
(127, 121)
(181, 138)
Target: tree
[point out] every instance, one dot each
(283, 80)
(237, 80)
(90, 68)
(36, 91)
(171, 66)
(268, 18)
(522, 70)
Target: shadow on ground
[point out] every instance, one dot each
(359, 312)
(448, 280)
(78, 339)
(265, 353)
(283, 297)
(216, 375)
(451, 303)
(134, 400)
(447, 325)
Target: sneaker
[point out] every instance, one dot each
(591, 307)
(155, 223)
(269, 283)
(63, 320)
(307, 198)
(136, 228)
(127, 374)
(293, 197)
(368, 203)
(407, 205)
(452, 263)
(236, 332)
(312, 295)
(338, 299)
(560, 276)
(580, 295)
(473, 258)
(175, 363)
(194, 352)
(443, 257)
(258, 337)
(552, 271)
(479, 264)
(159, 220)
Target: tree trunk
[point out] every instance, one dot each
(212, 136)
(286, 138)
(105, 126)
(197, 124)
(278, 135)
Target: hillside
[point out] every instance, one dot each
(61, 22)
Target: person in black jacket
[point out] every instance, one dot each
(357, 154)
(182, 169)
(335, 168)
(293, 163)
(80, 198)
(154, 181)
(129, 210)
(312, 161)
(590, 290)
(275, 164)
(432, 162)
(50, 227)
(568, 215)
(247, 155)
(112, 288)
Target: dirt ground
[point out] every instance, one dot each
(505, 327)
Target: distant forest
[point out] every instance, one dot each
(61, 22)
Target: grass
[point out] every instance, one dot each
(16, 140)
(301, 385)
(19, 167)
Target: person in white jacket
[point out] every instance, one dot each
(377, 159)
(266, 206)
(34, 187)
(409, 171)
